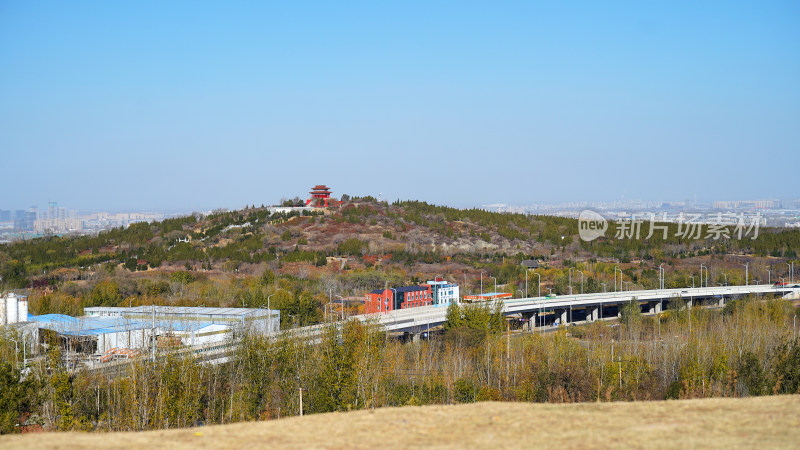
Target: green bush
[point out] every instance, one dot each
(182, 277)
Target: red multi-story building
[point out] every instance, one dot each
(321, 197)
(384, 300)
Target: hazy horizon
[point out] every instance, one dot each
(194, 106)
(276, 200)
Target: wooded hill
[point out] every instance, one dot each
(365, 231)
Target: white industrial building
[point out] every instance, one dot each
(185, 318)
(96, 334)
(105, 328)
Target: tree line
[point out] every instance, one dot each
(748, 348)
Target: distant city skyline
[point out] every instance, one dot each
(182, 106)
(786, 203)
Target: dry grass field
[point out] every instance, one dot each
(762, 422)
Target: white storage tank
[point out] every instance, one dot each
(11, 309)
(3, 315)
(22, 309)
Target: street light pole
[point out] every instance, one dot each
(569, 280)
(746, 274)
(708, 274)
(539, 291)
(701, 275)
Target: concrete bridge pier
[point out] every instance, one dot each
(654, 307)
(529, 317)
(689, 302)
(721, 301)
(562, 316)
(592, 313)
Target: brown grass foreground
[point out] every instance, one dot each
(759, 422)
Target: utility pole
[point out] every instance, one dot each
(342, 300)
(153, 333)
(269, 311)
(508, 348)
(301, 402)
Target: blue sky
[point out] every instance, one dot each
(196, 105)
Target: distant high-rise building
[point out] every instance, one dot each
(19, 219)
(52, 210)
(30, 218)
(5, 215)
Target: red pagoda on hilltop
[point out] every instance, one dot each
(321, 197)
